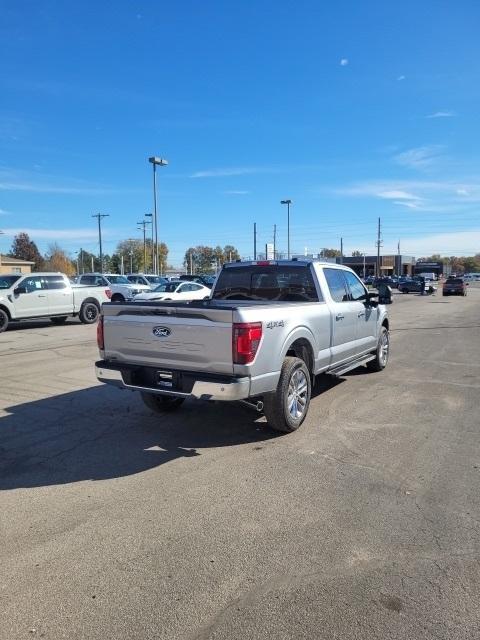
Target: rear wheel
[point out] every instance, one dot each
(287, 407)
(58, 320)
(89, 313)
(3, 320)
(160, 404)
(117, 297)
(382, 352)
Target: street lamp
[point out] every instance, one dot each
(161, 162)
(288, 203)
(150, 215)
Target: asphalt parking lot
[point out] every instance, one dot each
(117, 523)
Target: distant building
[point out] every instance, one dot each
(13, 265)
(390, 265)
(430, 267)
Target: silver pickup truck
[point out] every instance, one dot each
(268, 329)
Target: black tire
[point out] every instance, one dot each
(59, 320)
(404, 290)
(161, 404)
(89, 313)
(117, 297)
(287, 407)
(445, 294)
(4, 320)
(382, 352)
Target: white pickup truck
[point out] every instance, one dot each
(268, 329)
(48, 295)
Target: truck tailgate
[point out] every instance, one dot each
(167, 336)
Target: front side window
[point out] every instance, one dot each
(34, 284)
(118, 279)
(336, 284)
(357, 290)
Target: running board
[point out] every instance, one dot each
(344, 368)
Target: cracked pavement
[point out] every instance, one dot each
(203, 524)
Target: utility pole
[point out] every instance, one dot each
(341, 250)
(143, 225)
(81, 261)
(99, 217)
(191, 263)
(379, 242)
(93, 268)
(274, 241)
(266, 251)
(399, 264)
(364, 266)
(254, 240)
(288, 203)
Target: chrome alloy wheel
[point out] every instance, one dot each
(297, 394)
(383, 348)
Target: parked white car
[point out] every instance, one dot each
(150, 280)
(120, 287)
(48, 295)
(178, 290)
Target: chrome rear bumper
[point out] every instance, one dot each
(234, 389)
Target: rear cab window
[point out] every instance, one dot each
(269, 282)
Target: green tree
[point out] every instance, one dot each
(357, 254)
(331, 253)
(204, 259)
(134, 258)
(25, 249)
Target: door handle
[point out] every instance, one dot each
(360, 314)
(41, 295)
(339, 316)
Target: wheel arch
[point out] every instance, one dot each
(301, 347)
(7, 311)
(94, 300)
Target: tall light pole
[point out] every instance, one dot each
(99, 217)
(161, 162)
(288, 203)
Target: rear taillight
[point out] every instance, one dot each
(100, 337)
(246, 337)
(108, 293)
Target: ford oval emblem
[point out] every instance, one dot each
(161, 332)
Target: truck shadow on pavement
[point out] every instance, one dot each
(101, 433)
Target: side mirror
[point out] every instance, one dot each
(20, 290)
(371, 299)
(384, 294)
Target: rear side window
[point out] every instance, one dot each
(270, 282)
(55, 282)
(336, 284)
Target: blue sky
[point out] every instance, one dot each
(353, 110)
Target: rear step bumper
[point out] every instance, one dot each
(228, 389)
